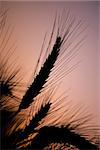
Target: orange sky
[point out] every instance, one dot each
(33, 19)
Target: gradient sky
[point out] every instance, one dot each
(33, 19)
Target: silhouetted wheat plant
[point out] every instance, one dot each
(40, 121)
(10, 75)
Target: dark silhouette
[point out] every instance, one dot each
(62, 134)
(10, 79)
(35, 121)
(41, 78)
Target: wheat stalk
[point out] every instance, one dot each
(35, 121)
(10, 73)
(41, 78)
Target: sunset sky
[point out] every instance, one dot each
(31, 20)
